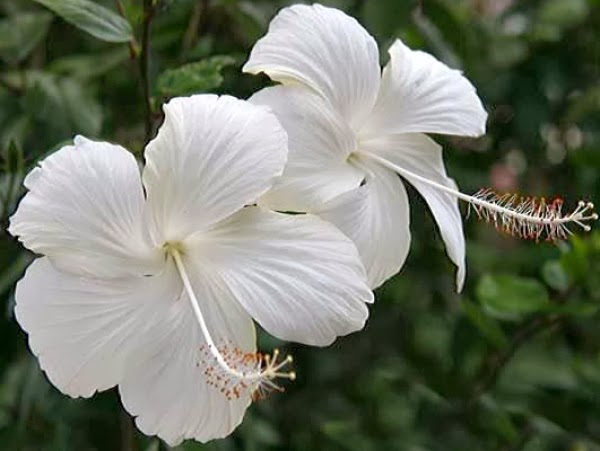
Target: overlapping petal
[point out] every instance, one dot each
(212, 156)
(83, 330)
(298, 276)
(320, 142)
(166, 387)
(85, 210)
(420, 94)
(376, 217)
(324, 49)
(422, 156)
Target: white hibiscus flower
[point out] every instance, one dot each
(151, 283)
(353, 130)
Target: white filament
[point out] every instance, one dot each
(202, 322)
(551, 220)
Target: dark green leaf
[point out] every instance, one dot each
(574, 308)
(82, 108)
(100, 22)
(509, 297)
(14, 159)
(20, 34)
(486, 325)
(90, 65)
(64, 104)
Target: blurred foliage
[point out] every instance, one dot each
(513, 363)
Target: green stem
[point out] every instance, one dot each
(145, 68)
(492, 366)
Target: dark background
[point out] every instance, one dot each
(511, 364)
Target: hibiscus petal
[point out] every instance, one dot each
(166, 387)
(319, 142)
(83, 329)
(422, 156)
(85, 210)
(421, 94)
(297, 275)
(376, 217)
(212, 156)
(324, 49)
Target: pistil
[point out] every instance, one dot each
(226, 367)
(524, 217)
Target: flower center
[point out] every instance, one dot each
(226, 367)
(173, 246)
(352, 158)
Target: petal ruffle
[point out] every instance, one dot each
(298, 276)
(319, 144)
(420, 94)
(212, 156)
(376, 217)
(326, 50)
(166, 387)
(83, 330)
(85, 210)
(422, 156)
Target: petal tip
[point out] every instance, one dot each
(80, 140)
(461, 274)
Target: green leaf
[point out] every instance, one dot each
(562, 13)
(21, 34)
(15, 131)
(11, 178)
(95, 19)
(14, 159)
(82, 108)
(555, 276)
(486, 325)
(65, 105)
(575, 260)
(582, 105)
(201, 76)
(574, 308)
(510, 297)
(535, 366)
(86, 66)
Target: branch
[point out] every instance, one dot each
(495, 362)
(145, 69)
(197, 18)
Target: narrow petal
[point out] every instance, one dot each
(326, 50)
(83, 330)
(422, 156)
(320, 143)
(376, 217)
(421, 94)
(85, 210)
(212, 156)
(166, 387)
(297, 275)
